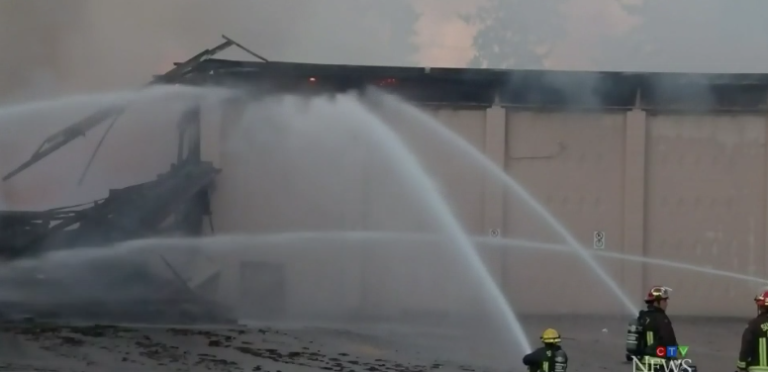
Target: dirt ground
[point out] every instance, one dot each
(592, 345)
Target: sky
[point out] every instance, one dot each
(83, 45)
(445, 40)
(54, 48)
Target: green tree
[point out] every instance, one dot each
(516, 33)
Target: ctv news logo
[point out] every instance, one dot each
(665, 365)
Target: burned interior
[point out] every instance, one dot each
(176, 203)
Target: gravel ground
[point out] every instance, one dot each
(592, 344)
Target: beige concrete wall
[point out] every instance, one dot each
(572, 163)
(686, 188)
(705, 205)
(280, 177)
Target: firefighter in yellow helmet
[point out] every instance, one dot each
(548, 358)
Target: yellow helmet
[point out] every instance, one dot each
(550, 336)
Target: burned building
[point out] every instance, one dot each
(658, 165)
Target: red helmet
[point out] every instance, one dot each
(762, 298)
(658, 293)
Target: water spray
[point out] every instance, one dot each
(418, 179)
(199, 244)
(423, 119)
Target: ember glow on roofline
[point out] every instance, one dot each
(512, 88)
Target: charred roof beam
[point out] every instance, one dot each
(80, 128)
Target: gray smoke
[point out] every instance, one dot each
(53, 47)
(82, 45)
(50, 48)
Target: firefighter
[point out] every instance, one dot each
(548, 358)
(635, 345)
(754, 354)
(656, 327)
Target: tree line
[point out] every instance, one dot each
(672, 35)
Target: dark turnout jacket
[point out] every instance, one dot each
(657, 330)
(548, 358)
(754, 354)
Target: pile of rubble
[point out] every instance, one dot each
(109, 293)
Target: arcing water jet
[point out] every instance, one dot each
(157, 199)
(88, 102)
(482, 242)
(77, 269)
(655, 261)
(407, 113)
(417, 179)
(306, 238)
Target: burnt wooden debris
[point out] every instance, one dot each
(176, 203)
